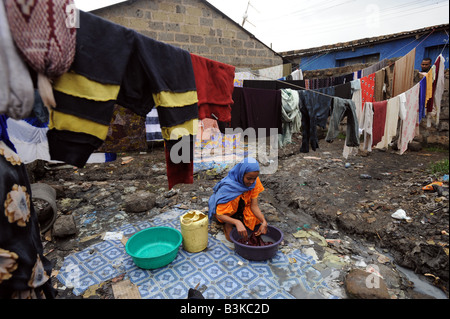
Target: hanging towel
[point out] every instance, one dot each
(379, 121)
(297, 75)
(290, 116)
(404, 73)
(409, 122)
(263, 110)
(315, 110)
(16, 86)
(344, 108)
(390, 126)
(437, 98)
(215, 84)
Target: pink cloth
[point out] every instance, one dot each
(411, 115)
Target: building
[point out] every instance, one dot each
(429, 42)
(195, 26)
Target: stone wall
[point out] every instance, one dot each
(435, 135)
(195, 26)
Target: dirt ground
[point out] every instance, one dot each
(314, 189)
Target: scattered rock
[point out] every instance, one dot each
(414, 146)
(360, 284)
(140, 201)
(64, 226)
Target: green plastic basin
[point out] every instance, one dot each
(154, 247)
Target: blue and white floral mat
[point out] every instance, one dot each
(218, 271)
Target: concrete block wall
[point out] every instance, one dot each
(195, 26)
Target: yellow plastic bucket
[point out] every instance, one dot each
(194, 229)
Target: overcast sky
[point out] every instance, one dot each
(301, 24)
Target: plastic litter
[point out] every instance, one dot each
(430, 186)
(365, 176)
(400, 214)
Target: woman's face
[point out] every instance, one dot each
(250, 178)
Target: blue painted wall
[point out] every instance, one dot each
(386, 50)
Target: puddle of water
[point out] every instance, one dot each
(421, 285)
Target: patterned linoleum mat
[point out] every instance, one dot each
(218, 271)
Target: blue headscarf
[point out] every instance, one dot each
(232, 185)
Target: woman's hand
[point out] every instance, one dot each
(262, 229)
(241, 229)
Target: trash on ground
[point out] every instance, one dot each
(400, 214)
(430, 187)
(126, 160)
(125, 290)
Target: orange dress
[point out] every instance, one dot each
(231, 207)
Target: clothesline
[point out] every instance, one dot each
(304, 88)
(406, 45)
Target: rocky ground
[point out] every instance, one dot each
(321, 202)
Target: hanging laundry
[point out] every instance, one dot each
(429, 93)
(366, 127)
(380, 86)
(275, 84)
(355, 91)
(390, 125)
(409, 122)
(290, 116)
(422, 98)
(344, 91)
(374, 67)
(110, 54)
(315, 110)
(439, 90)
(29, 137)
(379, 121)
(238, 110)
(403, 78)
(297, 75)
(239, 78)
(152, 127)
(214, 82)
(16, 86)
(344, 108)
(25, 271)
(367, 88)
(263, 110)
(37, 22)
(383, 83)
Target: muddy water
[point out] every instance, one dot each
(422, 286)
